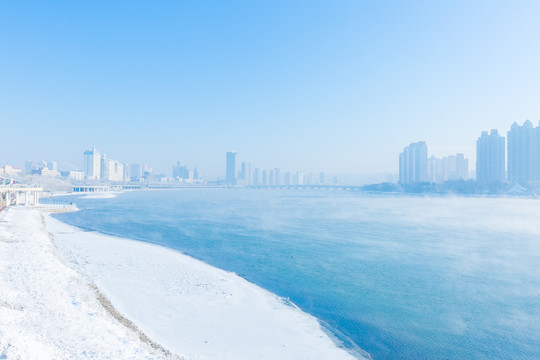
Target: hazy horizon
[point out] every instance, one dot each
(313, 86)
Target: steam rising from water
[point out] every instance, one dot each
(404, 277)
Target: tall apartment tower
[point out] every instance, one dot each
(111, 170)
(136, 172)
(92, 164)
(413, 163)
(452, 167)
(264, 177)
(490, 156)
(231, 167)
(256, 177)
(523, 153)
(245, 174)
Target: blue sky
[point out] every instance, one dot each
(335, 86)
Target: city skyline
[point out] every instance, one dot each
(436, 169)
(307, 85)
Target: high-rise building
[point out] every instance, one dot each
(277, 179)
(248, 175)
(271, 177)
(490, 156)
(453, 167)
(135, 172)
(242, 172)
(287, 178)
(435, 171)
(299, 178)
(29, 165)
(185, 175)
(462, 168)
(256, 177)
(180, 171)
(231, 167)
(308, 180)
(126, 172)
(413, 163)
(523, 153)
(111, 170)
(264, 177)
(244, 175)
(52, 165)
(321, 178)
(92, 164)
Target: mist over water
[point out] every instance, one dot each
(403, 277)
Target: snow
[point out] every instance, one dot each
(184, 305)
(48, 310)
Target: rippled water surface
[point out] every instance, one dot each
(403, 277)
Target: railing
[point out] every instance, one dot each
(54, 208)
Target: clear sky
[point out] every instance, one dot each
(335, 86)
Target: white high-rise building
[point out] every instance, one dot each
(523, 153)
(490, 156)
(453, 167)
(256, 177)
(245, 174)
(92, 164)
(299, 178)
(413, 163)
(271, 177)
(111, 170)
(264, 177)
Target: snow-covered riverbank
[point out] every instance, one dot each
(48, 310)
(186, 306)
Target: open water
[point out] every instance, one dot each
(402, 277)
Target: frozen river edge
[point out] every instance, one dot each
(188, 307)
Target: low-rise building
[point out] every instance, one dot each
(9, 170)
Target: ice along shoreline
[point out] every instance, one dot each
(191, 307)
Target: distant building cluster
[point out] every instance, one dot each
(452, 167)
(246, 174)
(522, 160)
(50, 169)
(493, 165)
(9, 171)
(415, 167)
(98, 166)
(183, 174)
(42, 168)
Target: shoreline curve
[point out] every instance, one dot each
(314, 342)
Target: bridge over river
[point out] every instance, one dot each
(308, 187)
